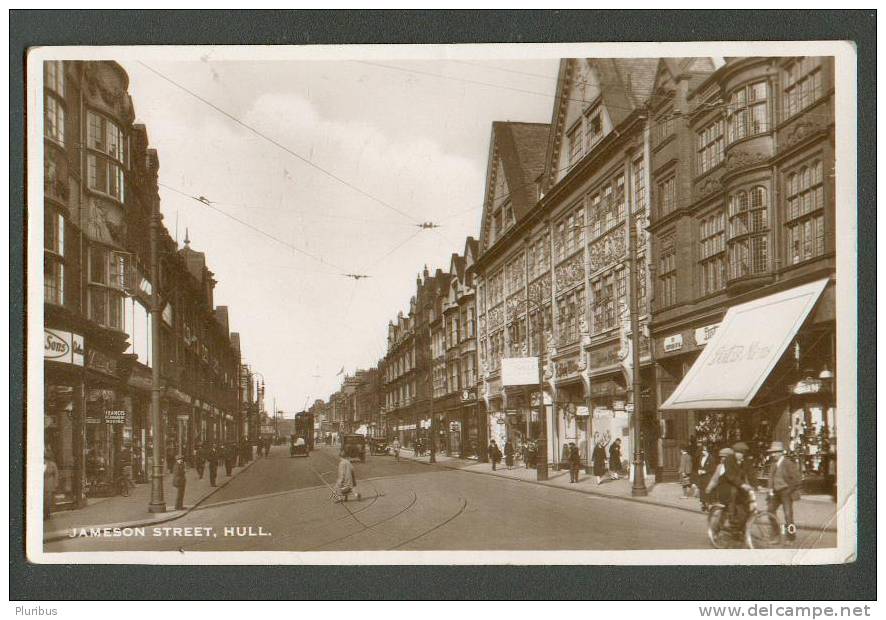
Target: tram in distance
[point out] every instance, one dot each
(303, 427)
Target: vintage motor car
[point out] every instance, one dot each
(297, 446)
(353, 447)
(379, 446)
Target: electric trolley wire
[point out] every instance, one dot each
(207, 203)
(279, 145)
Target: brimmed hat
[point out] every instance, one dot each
(740, 447)
(726, 452)
(776, 446)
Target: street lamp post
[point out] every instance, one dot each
(157, 503)
(638, 486)
(542, 452)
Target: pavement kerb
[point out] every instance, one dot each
(161, 518)
(586, 491)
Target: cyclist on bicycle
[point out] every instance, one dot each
(737, 477)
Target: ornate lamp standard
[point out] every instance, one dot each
(157, 502)
(541, 462)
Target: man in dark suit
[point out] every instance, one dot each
(736, 476)
(705, 470)
(784, 486)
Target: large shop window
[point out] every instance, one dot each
(53, 257)
(802, 85)
(748, 242)
(712, 233)
(107, 271)
(105, 158)
(747, 113)
(804, 227)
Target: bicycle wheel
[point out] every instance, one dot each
(763, 531)
(719, 538)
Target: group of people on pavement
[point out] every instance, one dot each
(730, 479)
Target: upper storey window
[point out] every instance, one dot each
(747, 113)
(585, 134)
(802, 85)
(106, 156)
(748, 233)
(53, 101)
(710, 146)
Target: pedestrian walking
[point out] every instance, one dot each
(50, 483)
(267, 446)
(396, 448)
(784, 486)
(212, 460)
(685, 472)
(170, 456)
(509, 454)
(704, 470)
(615, 459)
(179, 481)
(494, 454)
(574, 462)
(200, 460)
(599, 458)
(345, 482)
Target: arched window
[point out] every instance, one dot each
(748, 244)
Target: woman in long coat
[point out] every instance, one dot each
(615, 459)
(509, 454)
(599, 458)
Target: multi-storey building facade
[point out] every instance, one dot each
(100, 187)
(753, 219)
(407, 366)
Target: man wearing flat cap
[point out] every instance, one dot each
(784, 486)
(736, 476)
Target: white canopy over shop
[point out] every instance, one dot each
(749, 342)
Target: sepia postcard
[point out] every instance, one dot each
(442, 304)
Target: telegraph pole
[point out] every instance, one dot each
(158, 504)
(433, 456)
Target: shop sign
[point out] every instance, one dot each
(807, 386)
(96, 360)
(704, 334)
(183, 417)
(601, 412)
(468, 395)
(62, 346)
(455, 427)
(604, 388)
(582, 411)
(618, 405)
(115, 417)
(92, 420)
(519, 371)
(673, 342)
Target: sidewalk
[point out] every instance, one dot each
(132, 511)
(811, 512)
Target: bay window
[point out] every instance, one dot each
(107, 276)
(667, 272)
(747, 113)
(105, 157)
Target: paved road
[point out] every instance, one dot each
(409, 506)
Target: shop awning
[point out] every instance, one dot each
(362, 429)
(749, 342)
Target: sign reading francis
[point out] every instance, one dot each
(519, 371)
(744, 349)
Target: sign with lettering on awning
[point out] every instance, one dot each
(746, 346)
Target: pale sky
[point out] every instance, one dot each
(413, 140)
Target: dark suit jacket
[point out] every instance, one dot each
(785, 475)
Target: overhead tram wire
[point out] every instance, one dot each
(279, 145)
(208, 203)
